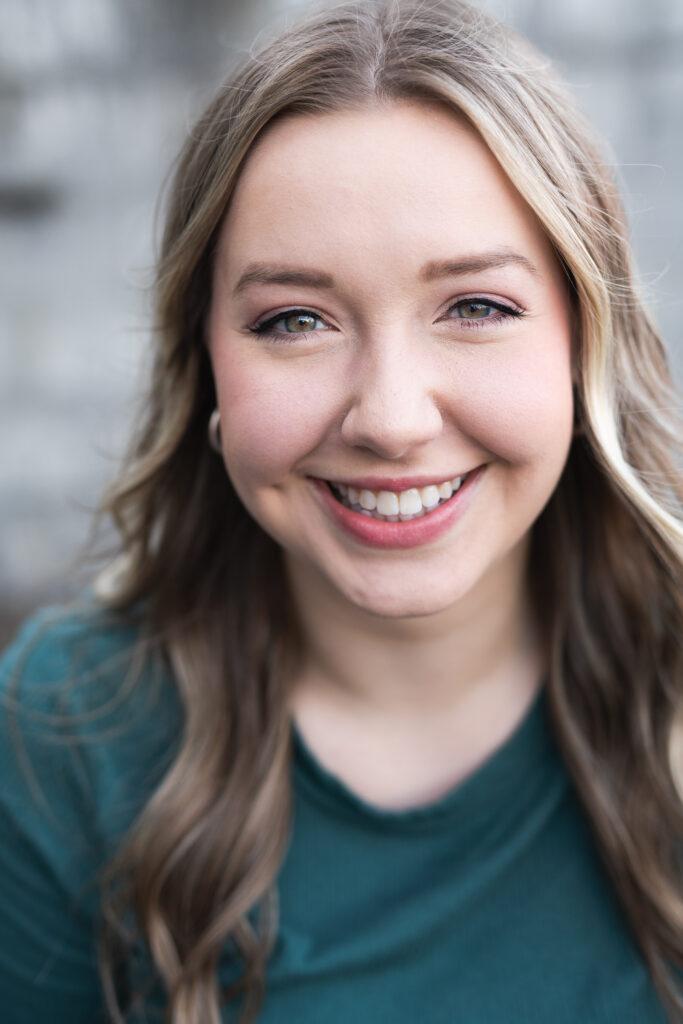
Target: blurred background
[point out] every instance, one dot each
(95, 99)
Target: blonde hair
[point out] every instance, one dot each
(606, 555)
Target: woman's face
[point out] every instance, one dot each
(394, 352)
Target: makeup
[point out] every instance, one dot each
(408, 534)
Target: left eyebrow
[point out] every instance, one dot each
(265, 273)
(475, 263)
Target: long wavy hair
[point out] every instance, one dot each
(198, 867)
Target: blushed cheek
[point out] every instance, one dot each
(269, 424)
(521, 410)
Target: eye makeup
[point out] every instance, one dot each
(264, 328)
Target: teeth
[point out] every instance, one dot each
(410, 502)
(387, 503)
(430, 496)
(395, 507)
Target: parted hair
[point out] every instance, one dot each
(197, 869)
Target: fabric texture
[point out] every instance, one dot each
(487, 906)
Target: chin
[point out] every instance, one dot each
(401, 601)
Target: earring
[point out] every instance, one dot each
(214, 431)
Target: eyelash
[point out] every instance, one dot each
(508, 313)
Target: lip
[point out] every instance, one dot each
(407, 534)
(393, 483)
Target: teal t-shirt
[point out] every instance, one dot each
(486, 906)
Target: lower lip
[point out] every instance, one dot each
(407, 534)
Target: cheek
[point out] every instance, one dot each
(269, 422)
(519, 404)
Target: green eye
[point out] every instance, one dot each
(479, 311)
(302, 321)
(475, 310)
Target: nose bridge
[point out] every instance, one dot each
(393, 405)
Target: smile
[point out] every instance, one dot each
(432, 510)
(393, 506)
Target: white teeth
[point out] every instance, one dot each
(387, 503)
(368, 500)
(410, 502)
(430, 496)
(393, 507)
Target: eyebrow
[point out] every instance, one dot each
(266, 273)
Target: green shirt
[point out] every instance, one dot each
(486, 906)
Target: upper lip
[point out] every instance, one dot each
(395, 483)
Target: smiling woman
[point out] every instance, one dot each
(399, 580)
(396, 382)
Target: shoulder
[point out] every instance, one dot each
(59, 641)
(84, 722)
(71, 658)
(88, 716)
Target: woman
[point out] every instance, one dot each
(373, 718)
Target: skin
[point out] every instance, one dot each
(420, 662)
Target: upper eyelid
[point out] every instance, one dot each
(287, 312)
(475, 297)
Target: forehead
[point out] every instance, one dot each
(408, 173)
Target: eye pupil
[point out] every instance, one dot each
(304, 321)
(477, 309)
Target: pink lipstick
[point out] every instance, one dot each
(407, 534)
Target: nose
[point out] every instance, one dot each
(393, 408)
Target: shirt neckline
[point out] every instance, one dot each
(505, 774)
